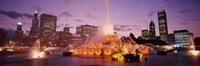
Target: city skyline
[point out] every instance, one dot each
(126, 16)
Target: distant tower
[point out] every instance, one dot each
(19, 34)
(66, 29)
(19, 26)
(145, 34)
(66, 36)
(162, 20)
(152, 30)
(35, 29)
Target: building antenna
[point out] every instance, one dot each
(147, 26)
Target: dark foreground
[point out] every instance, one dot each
(180, 59)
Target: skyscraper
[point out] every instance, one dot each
(19, 34)
(162, 21)
(35, 30)
(145, 34)
(86, 30)
(183, 38)
(3, 36)
(47, 29)
(152, 31)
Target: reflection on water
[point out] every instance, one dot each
(179, 59)
(37, 62)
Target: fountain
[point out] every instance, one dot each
(36, 51)
(105, 43)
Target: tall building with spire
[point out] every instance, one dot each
(152, 31)
(162, 21)
(35, 29)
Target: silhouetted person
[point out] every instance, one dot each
(137, 51)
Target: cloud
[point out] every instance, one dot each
(58, 26)
(121, 29)
(15, 15)
(64, 25)
(129, 29)
(138, 29)
(66, 13)
(78, 20)
(117, 29)
(183, 23)
(192, 19)
(67, 2)
(124, 26)
(169, 5)
(184, 11)
(90, 16)
(28, 15)
(116, 25)
(166, 0)
(197, 3)
(136, 26)
(150, 14)
(142, 22)
(71, 27)
(1, 19)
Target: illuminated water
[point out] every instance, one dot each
(180, 59)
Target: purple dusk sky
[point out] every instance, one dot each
(125, 15)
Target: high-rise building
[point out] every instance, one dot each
(162, 21)
(63, 38)
(3, 36)
(183, 38)
(77, 39)
(19, 34)
(171, 39)
(47, 29)
(67, 36)
(35, 30)
(86, 30)
(145, 34)
(152, 31)
(66, 29)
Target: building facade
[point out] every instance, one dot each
(63, 38)
(145, 34)
(47, 29)
(171, 39)
(3, 36)
(86, 30)
(152, 31)
(66, 36)
(162, 21)
(183, 38)
(77, 39)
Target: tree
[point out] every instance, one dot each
(132, 36)
(141, 41)
(197, 43)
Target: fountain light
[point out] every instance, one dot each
(98, 52)
(194, 52)
(107, 52)
(38, 54)
(108, 29)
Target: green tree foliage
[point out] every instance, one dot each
(197, 43)
(153, 41)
